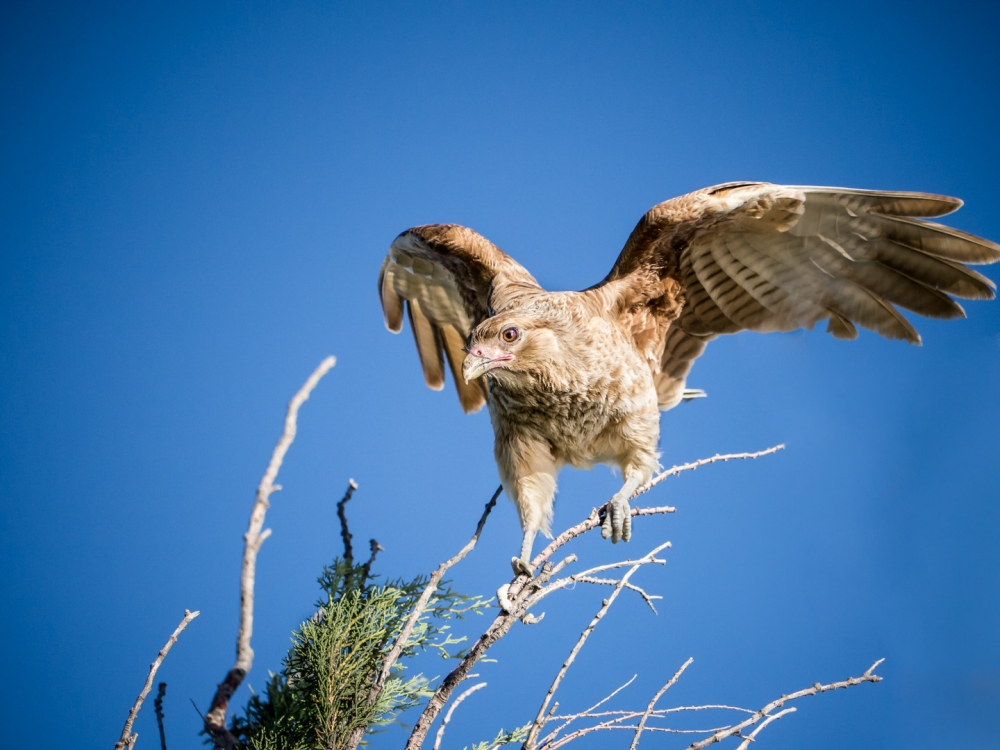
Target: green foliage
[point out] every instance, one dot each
(322, 694)
(504, 738)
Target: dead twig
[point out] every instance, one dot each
(539, 722)
(652, 703)
(588, 712)
(215, 719)
(615, 720)
(773, 717)
(868, 676)
(451, 709)
(128, 739)
(366, 569)
(675, 470)
(161, 690)
(345, 534)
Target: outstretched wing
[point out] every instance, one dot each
(762, 257)
(450, 279)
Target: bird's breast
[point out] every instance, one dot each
(583, 422)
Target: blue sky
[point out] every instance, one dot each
(196, 200)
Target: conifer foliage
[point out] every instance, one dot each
(321, 695)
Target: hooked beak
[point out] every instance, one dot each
(475, 366)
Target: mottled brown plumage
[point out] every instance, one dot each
(579, 378)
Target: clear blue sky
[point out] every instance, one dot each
(195, 202)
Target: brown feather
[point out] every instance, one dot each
(427, 338)
(392, 305)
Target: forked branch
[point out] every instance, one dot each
(519, 595)
(540, 718)
(619, 720)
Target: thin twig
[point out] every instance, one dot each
(655, 698)
(648, 598)
(128, 738)
(585, 577)
(451, 709)
(773, 717)
(411, 622)
(605, 606)
(366, 569)
(675, 470)
(659, 712)
(215, 719)
(161, 690)
(593, 519)
(613, 725)
(588, 712)
(868, 676)
(342, 515)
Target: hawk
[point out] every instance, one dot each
(580, 378)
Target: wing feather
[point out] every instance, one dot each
(762, 257)
(429, 349)
(449, 278)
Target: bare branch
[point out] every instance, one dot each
(342, 515)
(582, 578)
(615, 720)
(773, 717)
(605, 606)
(215, 719)
(451, 710)
(128, 738)
(659, 713)
(411, 622)
(675, 470)
(518, 596)
(588, 712)
(375, 548)
(161, 690)
(868, 676)
(593, 520)
(652, 703)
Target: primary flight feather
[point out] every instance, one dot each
(579, 378)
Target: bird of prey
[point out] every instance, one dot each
(580, 378)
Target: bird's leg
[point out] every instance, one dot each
(520, 564)
(528, 474)
(618, 516)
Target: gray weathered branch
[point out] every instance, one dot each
(516, 596)
(127, 740)
(540, 718)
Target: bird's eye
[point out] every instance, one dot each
(510, 335)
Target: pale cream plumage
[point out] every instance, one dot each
(579, 377)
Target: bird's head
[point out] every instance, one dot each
(508, 343)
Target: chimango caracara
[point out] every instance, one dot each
(580, 378)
